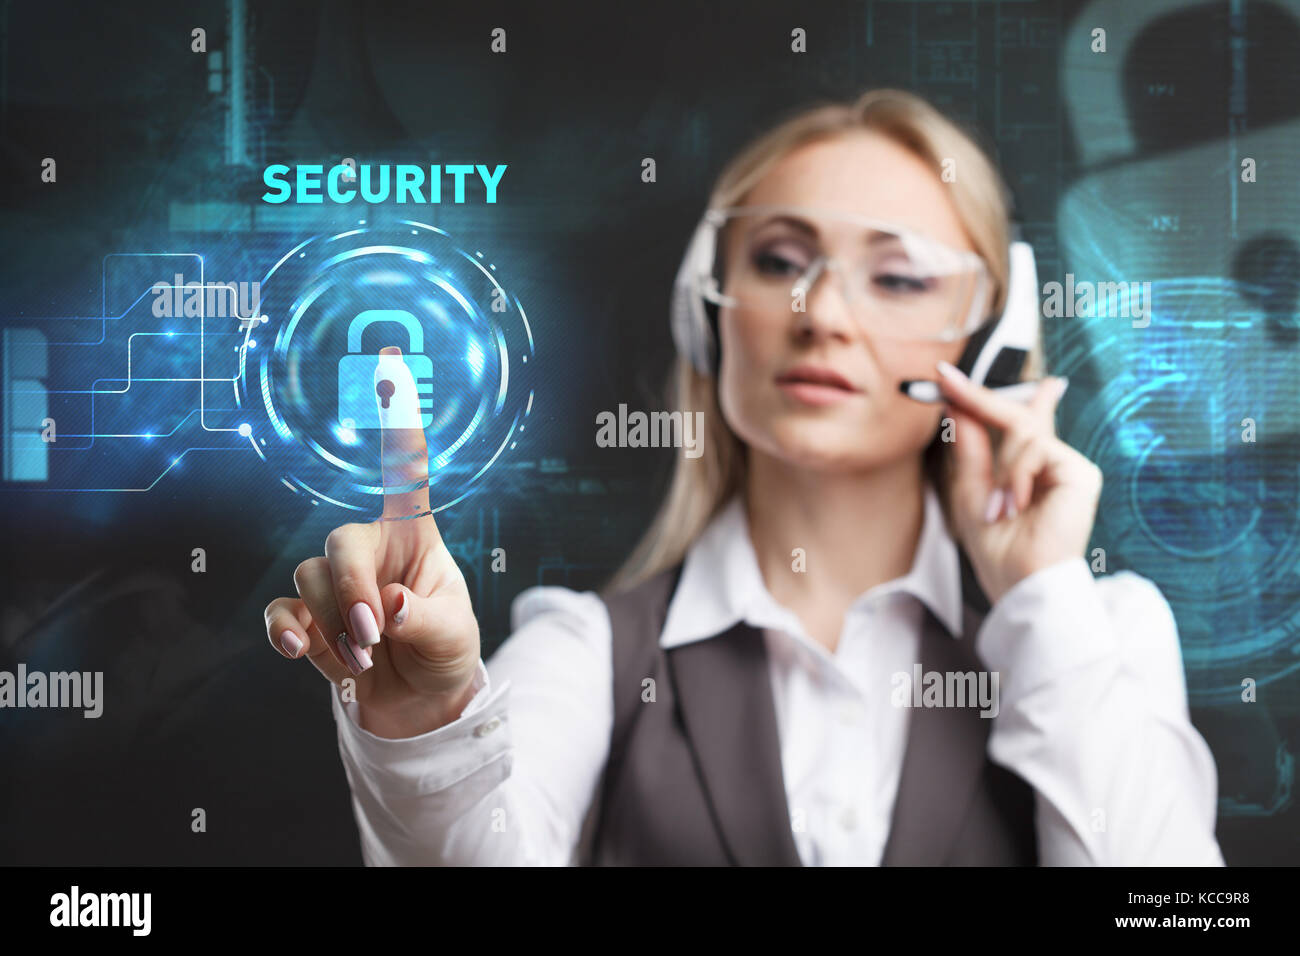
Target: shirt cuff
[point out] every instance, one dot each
(1046, 625)
(435, 760)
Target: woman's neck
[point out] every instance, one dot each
(853, 531)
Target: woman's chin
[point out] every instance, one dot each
(829, 445)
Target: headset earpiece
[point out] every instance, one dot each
(694, 330)
(995, 354)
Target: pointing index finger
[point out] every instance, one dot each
(404, 451)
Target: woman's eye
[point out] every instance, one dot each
(774, 264)
(894, 282)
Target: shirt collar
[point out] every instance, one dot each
(721, 582)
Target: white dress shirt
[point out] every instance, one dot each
(1092, 713)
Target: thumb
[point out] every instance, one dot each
(972, 453)
(441, 626)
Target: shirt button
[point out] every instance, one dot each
(848, 818)
(482, 730)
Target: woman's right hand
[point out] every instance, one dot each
(392, 577)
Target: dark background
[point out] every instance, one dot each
(200, 712)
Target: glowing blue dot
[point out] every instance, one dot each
(512, 444)
(525, 358)
(245, 429)
(170, 334)
(252, 343)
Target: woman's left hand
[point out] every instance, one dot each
(1030, 505)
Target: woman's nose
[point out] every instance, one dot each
(826, 311)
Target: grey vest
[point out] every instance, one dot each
(695, 778)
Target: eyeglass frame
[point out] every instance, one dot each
(716, 217)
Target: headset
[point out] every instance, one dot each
(994, 355)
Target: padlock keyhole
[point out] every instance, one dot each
(385, 388)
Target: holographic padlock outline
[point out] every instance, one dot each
(415, 359)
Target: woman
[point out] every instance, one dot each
(757, 688)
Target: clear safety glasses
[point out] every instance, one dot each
(896, 282)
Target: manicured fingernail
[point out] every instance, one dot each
(1010, 502)
(364, 625)
(402, 610)
(951, 372)
(289, 641)
(994, 505)
(1065, 383)
(357, 658)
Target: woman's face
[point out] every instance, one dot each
(873, 423)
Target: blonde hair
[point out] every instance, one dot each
(700, 487)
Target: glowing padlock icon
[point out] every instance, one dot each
(367, 381)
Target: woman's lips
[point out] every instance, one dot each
(814, 385)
